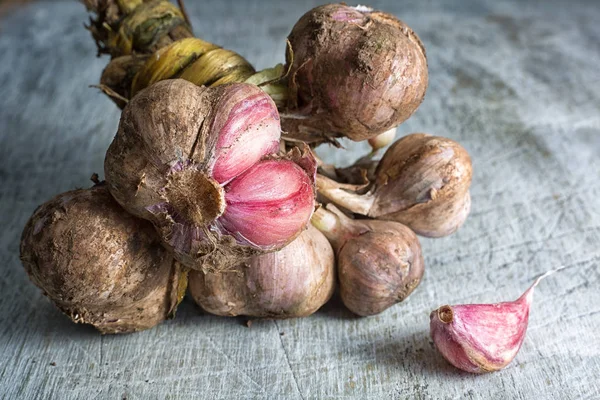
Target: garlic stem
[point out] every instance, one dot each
(268, 80)
(382, 140)
(333, 191)
(529, 293)
(326, 222)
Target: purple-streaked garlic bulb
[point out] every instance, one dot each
(292, 282)
(379, 262)
(422, 181)
(201, 165)
(354, 72)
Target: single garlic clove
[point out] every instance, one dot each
(482, 338)
(268, 204)
(247, 128)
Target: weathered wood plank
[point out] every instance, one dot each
(516, 83)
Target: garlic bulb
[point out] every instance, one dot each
(422, 181)
(292, 282)
(379, 262)
(354, 72)
(200, 164)
(100, 265)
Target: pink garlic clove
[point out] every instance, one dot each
(268, 204)
(247, 129)
(480, 338)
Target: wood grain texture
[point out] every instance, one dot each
(516, 83)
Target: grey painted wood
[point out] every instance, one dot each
(517, 83)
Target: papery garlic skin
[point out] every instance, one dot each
(99, 264)
(380, 263)
(292, 282)
(194, 162)
(480, 338)
(353, 73)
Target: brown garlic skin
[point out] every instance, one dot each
(379, 268)
(379, 263)
(423, 182)
(355, 73)
(100, 265)
(293, 282)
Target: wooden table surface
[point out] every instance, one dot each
(516, 82)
